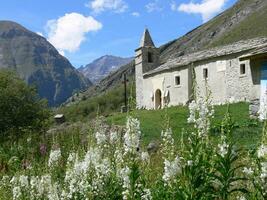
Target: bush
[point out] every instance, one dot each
(20, 107)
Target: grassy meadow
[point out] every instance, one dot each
(247, 132)
(199, 156)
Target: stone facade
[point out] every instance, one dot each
(231, 73)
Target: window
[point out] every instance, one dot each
(177, 80)
(149, 57)
(205, 73)
(242, 69)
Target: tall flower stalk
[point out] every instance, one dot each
(226, 176)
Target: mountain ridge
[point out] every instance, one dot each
(36, 61)
(102, 66)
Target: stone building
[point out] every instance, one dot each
(236, 72)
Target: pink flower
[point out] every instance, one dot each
(43, 149)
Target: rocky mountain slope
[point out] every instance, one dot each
(38, 63)
(103, 66)
(244, 20)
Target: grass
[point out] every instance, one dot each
(103, 104)
(247, 132)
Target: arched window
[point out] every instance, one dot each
(149, 57)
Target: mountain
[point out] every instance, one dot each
(244, 20)
(103, 66)
(38, 63)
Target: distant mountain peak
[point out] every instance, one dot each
(103, 66)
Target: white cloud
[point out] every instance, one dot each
(207, 8)
(40, 33)
(136, 14)
(68, 32)
(154, 6)
(98, 6)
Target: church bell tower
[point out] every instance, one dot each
(146, 59)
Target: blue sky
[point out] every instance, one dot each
(84, 30)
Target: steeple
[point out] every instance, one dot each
(146, 59)
(146, 40)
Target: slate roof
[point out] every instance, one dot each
(256, 44)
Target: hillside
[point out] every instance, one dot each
(223, 29)
(244, 20)
(102, 67)
(38, 63)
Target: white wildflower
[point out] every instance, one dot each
(23, 181)
(54, 157)
(167, 146)
(248, 171)
(200, 113)
(5, 180)
(14, 180)
(263, 175)
(16, 192)
(100, 138)
(262, 151)
(53, 192)
(72, 157)
(146, 195)
(145, 157)
(223, 146)
(171, 169)
(190, 162)
(132, 135)
(192, 109)
(113, 137)
(45, 183)
(241, 198)
(125, 174)
(29, 139)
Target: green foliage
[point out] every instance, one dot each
(20, 107)
(106, 103)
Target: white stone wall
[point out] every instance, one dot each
(225, 82)
(215, 83)
(244, 87)
(139, 78)
(178, 94)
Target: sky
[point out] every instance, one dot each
(84, 30)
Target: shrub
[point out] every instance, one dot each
(20, 107)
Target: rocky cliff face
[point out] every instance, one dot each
(38, 63)
(102, 67)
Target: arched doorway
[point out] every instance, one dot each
(158, 99)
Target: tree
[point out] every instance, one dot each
(20, 106)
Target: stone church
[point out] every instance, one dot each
(236, 72)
